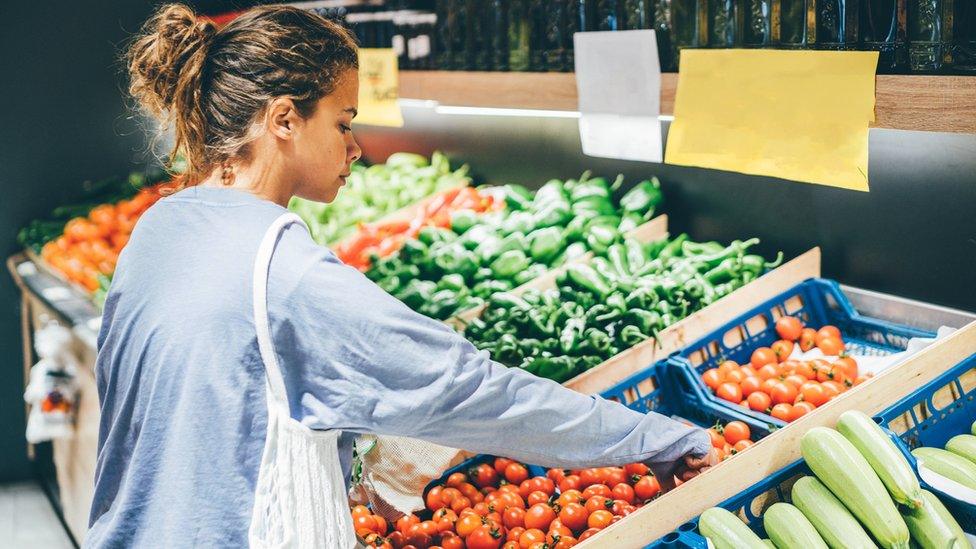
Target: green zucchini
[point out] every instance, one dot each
(828, 515)
(949, 465)
(769, 543)
(789, 529)
(843, 470)
(963, 445)
(726, 531)
(883, 456)
(933, 527)
(972, 428)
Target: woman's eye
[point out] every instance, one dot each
(344, 128)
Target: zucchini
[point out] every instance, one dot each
(789, 529)
(963, 445)
(726, 531)
(843, 470)
(933, 527)
(828, 515)
(949, 465)
(972, 428)
(883, 456)
(769, 543)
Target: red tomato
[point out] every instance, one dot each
(556, 532)
(750, 385)
(451, 541)
(767, 372)
(847, 365)
(831, 346)
(624, 492)
(557, 475)
(381, 526)
(530, 537)
(801, 409)
(730, 392)
(515, 533)
(614, 475)
(405, 522)
(467, 524)
(513, 517)
(501, 464)
(763, 356)
(601, 490)
(537, 497)
(360, 510)
(595, 503)
(759, 402)
(782, 349)
(589, 533)
(599, 519)
(646, 488)
(484, 475)
(434, 499)
(511, 545)
(789, 328)
(364, 522)
(539, 516)
(460, 504)
(784, 393)
(742, 445)
(813, 394)
(713, 378)
(484, 537)
(808, 339)
(542, 484)
(590, 476)
(636, 469)
(568, 497)
(456, 479)
(782, 411)
(565, 542)
(571, 482)
(736, 431)
(574, 516)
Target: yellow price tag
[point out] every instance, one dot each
(379, 82)
(798, 115)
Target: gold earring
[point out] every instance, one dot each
(227, 174)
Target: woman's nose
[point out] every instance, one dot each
(353, 152)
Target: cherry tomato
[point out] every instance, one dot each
(381, 525)
(806, 370)
(571, 482)
(782, 411)
(484, 537)
(847, 365)
(556, 532)
(735, 376)
(360, 510)
(783, 349)
(557, 475)
(484, 475)
(784, 393)
(601, 490)
(636, 469)
(467, 524)
(831, 346)
(513, 517)
(646, 488)
(456, 479)
(565, 542)
(542, 484)
(434, 499)
(574, 516)
(416, 536)
(808, 339)
(717, 439)
(501, 464)
(537, 497)
(796, 380)
(590, 476)
(750, 385)
(599, 519)
(727, 366)
(588, 533)
(763, 356)
(749, 370)
(515, 533)
(736, 431)
(759, 401)
(828, 331)
(570, 496)
(595, 503)
(767, 372)
(813, 394)
(730, 392)
(801, 409)
(405, 522)
(429, 527)
(515, 473)
(742, 445)
(530, 537)
(614, 475)
(713, 378)
(460, 504)
(539, 516)
(789, 327)
(833, 388)
(451, 541)
(511, 545)
(624, 492)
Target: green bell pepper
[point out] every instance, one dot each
(643, 198)
(463, 220)
(509, 264)
(545, 244)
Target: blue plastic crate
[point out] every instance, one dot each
(817, 302)
(930, 416)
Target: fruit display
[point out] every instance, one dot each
(957, 462)
(620, 299)
(777, 383)
(376, 191)
(448, 270)
(458, 206)
(730, 439)
(863, 493)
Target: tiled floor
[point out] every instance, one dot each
(27, 519)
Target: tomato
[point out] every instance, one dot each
(646, 488)
(539, 516)
(742, 445)
(601, 490)
(557, 475)
(788, 367)
(728, 366)
(595, 503)
(509, 545)
(428, 527)
(513, 517)
(713, 378)
(556, 532)
(502, 463)
(717, 439)
(484, 537)
(796, 380)
(831, 346)
(861, 379)
(590, 476)
(767, 386)
(624, 492)
(750, 385)
(456, 479)
(789, 327)
(537, 497)
(512, 499)
(806, 370)
(571, 482)
(599, 519)
(542, 484)
(801, 409)
(460, 504)
(397, 538)
(736, 431)
(434, 499)
(813, 394)
(759, 401)
(452, 541)
(539, 545)
(834, 388)
(364, 522)
(767, 372)
(828, 331)
(782, 411)
(763, 356)
(360, 510)
(730, 392)
(405, 522)
(381, 526)
(484, 475)
(783, 349)
(564, 542)
(515, 533)
(481, 509)
(847, 365)
(568, 497)
(636, 469)
(417, 537)
(574, 516)
(784, 393)
(467, 524)
(530, 537)
(735, 376)
(589, 533)
(808, 339)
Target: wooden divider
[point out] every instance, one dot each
(781, 448)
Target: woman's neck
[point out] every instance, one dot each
(261, 179)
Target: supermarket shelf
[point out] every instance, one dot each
(924, 103)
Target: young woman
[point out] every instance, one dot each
(237, 358)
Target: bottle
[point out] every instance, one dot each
(964, 37)
(498, 33)
(688, 26)
(883, 30)
(757, 23)
(929, 24)
(609, 15)
(836, 24)
(790, 28)
(721, 23)
(638, 14)
(519, 25)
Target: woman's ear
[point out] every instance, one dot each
(283, 118)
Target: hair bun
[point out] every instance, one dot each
(167, 58)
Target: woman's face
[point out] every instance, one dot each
(325, 148)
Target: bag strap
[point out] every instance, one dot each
(262, 324)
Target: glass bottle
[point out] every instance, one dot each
(928, 23)
(883, 30)
(721, 23)
(519, 25)
(836, 24)
(498, 31)
(757, 23)
(790, 25)
(689, 24)
(964, 36)
(609, 15)
(638, 14)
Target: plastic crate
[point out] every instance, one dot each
(930, 416)
(817, 302)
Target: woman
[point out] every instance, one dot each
(237, 359)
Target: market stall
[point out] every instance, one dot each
(732, 302)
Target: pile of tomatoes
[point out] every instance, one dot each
(784, 388)
(499, 505)
(731, 439)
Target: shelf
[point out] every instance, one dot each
(924, 103)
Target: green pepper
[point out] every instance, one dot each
(552, 191)
(413, 250)
(519, 222)
(476, 235)
(597, 340)
(514, 241)
(631, 335)
(509, 264)
(442, 304)
(454, 258)
(642, 298)
(588, 279)
(643, 198)
(636, 258)
(629, 222)
(575, 229)
(551, 215)
(486, 288)
(591, 205)
(542, 325)
(545, 244)
(617, 254)
(557, 368)
(653, 249)
(505, 300)
(429, 235)
(507, 350)
(571, 335)
(689, 248)
(389, 284)
(672, 248)
(593, 187)
(599, 238)
(416, 293)
(482, 274)
(451, 281)
(735, 249)
(533, 272)
(462, 220)
(517, 197)
(647, 321)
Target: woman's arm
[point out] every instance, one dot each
(355, 358)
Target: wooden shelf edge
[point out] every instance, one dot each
(903, 102)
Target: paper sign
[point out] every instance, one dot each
(618, 80)
(379, 82)
(798, 115)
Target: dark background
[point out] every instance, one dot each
(65, 121)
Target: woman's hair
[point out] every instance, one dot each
(211, 85)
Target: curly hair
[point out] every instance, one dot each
(211, 86)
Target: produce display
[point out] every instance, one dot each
(777, 384)
(376, 191)
(456, 206)
(625, 296)
(957, 462)
(863, 493)
(448, 270)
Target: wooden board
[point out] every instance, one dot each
(914, 102)
(781, 448)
